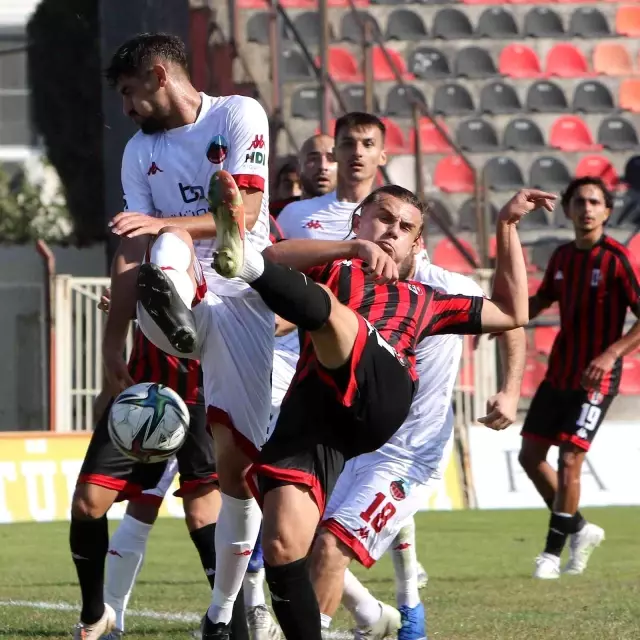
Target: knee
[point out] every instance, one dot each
(176, 231)
(525, 459)
(202, 507)
(86, 506)
(282, 547)
(570, 466)
(531, 459)
(329, 553)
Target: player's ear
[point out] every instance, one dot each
(383, 159)
(355, 222)
(160, 73)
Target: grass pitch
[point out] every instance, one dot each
(479, 565)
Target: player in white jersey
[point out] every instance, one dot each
(185, 138)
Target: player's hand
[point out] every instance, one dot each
(116, 372)
(105, 300)
(131, 224)
(598, 368)
(523, 202)
(380, 266)
(502, 409)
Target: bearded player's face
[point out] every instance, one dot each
(144, 101)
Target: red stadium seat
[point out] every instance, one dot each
(466, 381)
(519, 61)
(395, 142)
(628, 21)
(531, 268)
(566, 61)
(343, 66)
(534, 372)
(331, 128)
(453, 175)
(431, 140)
(253, 4)
(598, 166)
(447, 256)
(634, 245)
(630, 95)
(580, 1)
(570, 133)
(543, 339)
(382, 70)
(343, 3)
(630, 382)
(300, 4)
(612, 59)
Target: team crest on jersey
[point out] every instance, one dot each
(595, 397)
(217, 149)
(558, 275)
(398, 489)
(416, 289)
(595, 277)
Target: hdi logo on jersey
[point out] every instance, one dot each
(217, 149)
(256, 157)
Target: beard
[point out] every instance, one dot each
(406, 266)
(313, 190)
(151, 125)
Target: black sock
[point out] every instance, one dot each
(578, 522)
(294, 600)
(89, 542)
(293, 296)
(559, 529)
(204, 540)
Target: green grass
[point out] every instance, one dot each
(479, 564)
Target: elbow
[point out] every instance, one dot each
(521, 319)
(271, 253)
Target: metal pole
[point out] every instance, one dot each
(418, 151)
(367, 54)
(324, 66)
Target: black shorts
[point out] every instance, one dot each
(330, 416)
(105, 466)
(565, 415)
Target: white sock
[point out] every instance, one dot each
(253, 266)
(124, 561)
(236, 533)
(325, 621)
(405, 566)
(173, 256)
(357, 599)
(254, 589)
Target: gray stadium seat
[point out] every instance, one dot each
(592, 97)
(503, 174)
(294, 67)
(626, 211)
(497, 23)
(542, 22)
(350, 29)
(429, 63)
(474, 63)
(549, 173)
(451, 24)
(453, 99)
(354, 99)
(468, 216)
(588, 22)
(308, 26)
(305, 103)
(258, 28)
(398, 103)
(631, 175)
(477, 134)
(499, 97)
(536, 219)
(617, 134)
(522, 134)
(440, 209)
(546, 97)
(405, 24)
(542, 251)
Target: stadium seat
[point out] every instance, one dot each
(428, 63)
(258, 27)
(468, 215)
(534, 372)
(625, 212)
(252, 4)
(352, 26)
(395, 141)
(497, 23)
(452, 175)
(612, 59)
(536, 219)
(308, 26)
(437, 209)
(543, 22)
(354, 99)
(570, 133)
(544, 337)
(431, 140)
(382, 70)
(474, 63)
(549, 173)
(502, 174)
(598, 166)
(630, 381)
(294, 67)
(542, 251)
(628, 21)
(453, 100)
(451, 24)
(343, 67)
(336, 3)
(405, 24)
(533, 283)
(477, 135)
(305, 103)
(634, 245)
(588, 22)
(499, 97)
(519, 61)
(398, 102)
(299, 4)
(617, 134)
(566, 61)
(630, 95)
(546, 97)
(447, 256)
(522, 134)
(592, 96)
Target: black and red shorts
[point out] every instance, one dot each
(565, 415)
(105, 466)
(330, 416)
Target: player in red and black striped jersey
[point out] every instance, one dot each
(595, 281)
(355, 379)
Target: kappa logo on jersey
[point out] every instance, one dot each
(362, 533)
(595, 397)
(398, 489)
(153, 169)
(582, 433)
(312, 224)
(416, 289)
(595, 277)
(217, 149)
(258, 143)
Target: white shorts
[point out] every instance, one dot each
(371, 502)
(157, 494)
(235, 349)
(284, 368)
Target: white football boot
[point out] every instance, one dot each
(581, 546)
(547, 567)
(95, 631)
(388, 625)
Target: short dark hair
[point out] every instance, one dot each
(400, 193)
(287, 165)
(356, 120)
(138, 53)
(576, 183)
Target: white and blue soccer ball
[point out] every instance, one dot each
(148, 422)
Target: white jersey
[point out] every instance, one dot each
(167, 174)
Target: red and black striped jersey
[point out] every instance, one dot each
(147, 363)
(275, 232)
(403, 313)
(594, 289)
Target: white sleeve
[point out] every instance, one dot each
(135, 183)
(248, 129)
(285, 220)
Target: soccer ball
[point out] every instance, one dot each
(148, 422)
